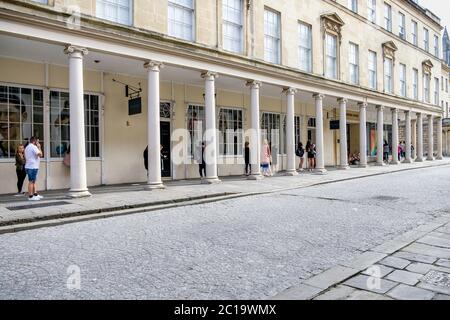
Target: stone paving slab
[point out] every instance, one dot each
(405, 277)
(404, 292)
(331, 276)
(364, 283)
(424, 268)
(299, 292)
(340, 292)
(435, 241)
(394, 262)
(414, 257)
(443, 263)
(383, 270)
(428, 250)
(364, 260)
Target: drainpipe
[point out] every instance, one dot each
(46, 98)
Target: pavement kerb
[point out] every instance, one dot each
(92, 214)
(341, 277)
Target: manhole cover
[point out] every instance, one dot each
(437, 278)
(385, 198)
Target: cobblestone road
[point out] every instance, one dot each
(246, 248)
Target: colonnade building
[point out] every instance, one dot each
(109, 77)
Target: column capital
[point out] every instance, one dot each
(362, 105)
(394, 110)
(289, 90)
(379, 107)
(407, 112)
(342, 100)
(254, 84)
(429, 116)
(70, 50)
(318, 96)
(418, 114)
(209, 75)
(153, 65)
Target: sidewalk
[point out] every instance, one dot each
(16, 213)
(413, 266)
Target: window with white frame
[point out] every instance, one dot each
(305, 47)
(402, 70)
(232, 26)
(372, 69)
(426, 88)
(353, 5)
(230, 132)
(21, 117)
(270, 130)
(181, 19)
(353, 63)
(331, 56)
(401, 25)
(195, 122)
(388, 75)
(446, 85)
(436, 46)
(414, 32)
(119, 11)
(415, 80)
(436, 91)
(41, 1)
(60, 124)
(272, 36)
(426, 39)
(372, 10)
(387, 17)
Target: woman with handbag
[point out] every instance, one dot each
(20, 168)
(265, 158)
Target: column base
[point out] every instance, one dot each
(362, 165)
(320, 171)
(430, 158)
(343, 167)
(408, 161)
(382, 164)
(154, 186)
(395, 163)
(291, 173)
(439, 158)
(255, 176)
(211, 180)
(79, 194)
(419, 160)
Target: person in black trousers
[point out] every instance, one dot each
(248, 166)
(20, 168)
(201, 161)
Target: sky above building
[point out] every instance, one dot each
(441, 8)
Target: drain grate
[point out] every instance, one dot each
(38, 205)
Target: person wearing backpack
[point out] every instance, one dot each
(300, 152)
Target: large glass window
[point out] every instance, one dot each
(401, 25)
(436, 46)
(388, 75)
(41, 1)
(195, 126)
(231, 132)
(305, 47)
(353, 5)
(426, 39)
(298, 130)
(402, 70)
(119, 11)
(372, 10)
(331, 56)
(414, 32)
(270, 130)
(21, 117)
(60, 124)
(372, 69)
(272, 35)
(436, 91)
(232, 25)
(387, 17)
(426, 88)
(415, 84)
(353, 60)
(181, 19)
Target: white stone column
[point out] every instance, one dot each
(343, 133)
(408, 155)
(210, 132)
(320, 162)
(153, 131)
(380, 135)
(430, 156)
(362, 134)
(395, 136)
(290, 132)
(439, 139)
(78, 178)
(255, 138)
(419, 133)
